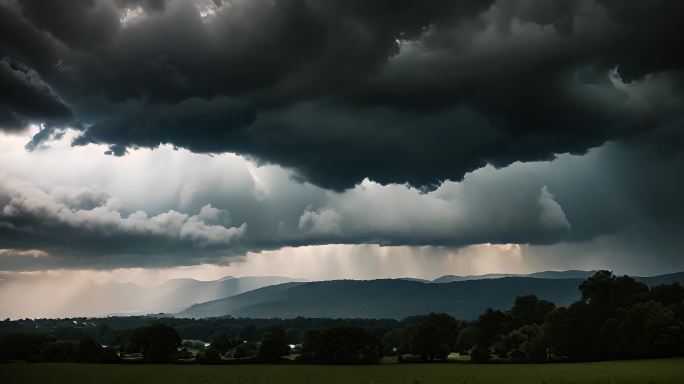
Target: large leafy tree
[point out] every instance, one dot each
(434, 337)
(528, 310)
(341, 345)
(273, 345)
(158, 343)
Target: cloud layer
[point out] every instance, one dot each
(64, 207)
(76, 222)
(246, 127)
(340, 91)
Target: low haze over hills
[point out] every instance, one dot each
(397, 298)
(110, 298)
(276, 296)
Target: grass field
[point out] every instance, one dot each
(640, 371)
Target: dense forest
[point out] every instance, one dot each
(616, 318)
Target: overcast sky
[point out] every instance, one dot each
(147, 139)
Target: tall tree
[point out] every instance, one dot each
(158, 343)
(273, 345)
(434, 337)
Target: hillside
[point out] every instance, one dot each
(393, 298)
(571, 274)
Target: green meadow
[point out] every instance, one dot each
(636, 371)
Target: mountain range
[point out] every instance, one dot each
(90, 298)
(276, 296)
(571, 274)
(398, 298)
(177, 294)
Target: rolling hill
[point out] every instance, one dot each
(571, 274)
(396, 298)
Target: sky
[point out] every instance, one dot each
(143, 140)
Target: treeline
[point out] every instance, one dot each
(116, 330)
(616, 318)
(38, 347)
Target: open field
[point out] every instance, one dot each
(638, 371)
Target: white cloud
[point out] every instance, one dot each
(323, 222)
(26, 203)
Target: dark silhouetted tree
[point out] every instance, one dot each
(158, 343)
(247, 349)
(646, 330)
(210, 356)
(488, 328)
(433, 337)
(668, 294)
(273, 345)
(529, 310)
(249, 333)
(465, 340)
(221, 341)
(340, 345)
(606, 293)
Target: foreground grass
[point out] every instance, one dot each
(638, 371)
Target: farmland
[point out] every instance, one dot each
(635, 371)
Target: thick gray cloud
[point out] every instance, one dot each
(74, 208)
(260, 209)
(396, 91)
(73, 223)
(26, 98)
(406, 122)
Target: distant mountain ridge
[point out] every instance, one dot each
(277, 296)
(116, 298)
(569, 274)
(396, 298)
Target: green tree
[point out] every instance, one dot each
(668, 294)
(527, 343)
(273, 345)
(465, 340)
(571, 331)
(210, 356)
(434, 337)
(646, 330)
(488, 328)
(221, 341)
(529, 310)
(395, 341)
(158, 343)
(340, 345)
(247, 349)
(607, 293)
(88, 351)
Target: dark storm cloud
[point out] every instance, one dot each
(26, 97)
(397, 91)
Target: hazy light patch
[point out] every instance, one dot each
(371, 261)
(148, 277)
(40, 294)
(62, 292)
(321, 262)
